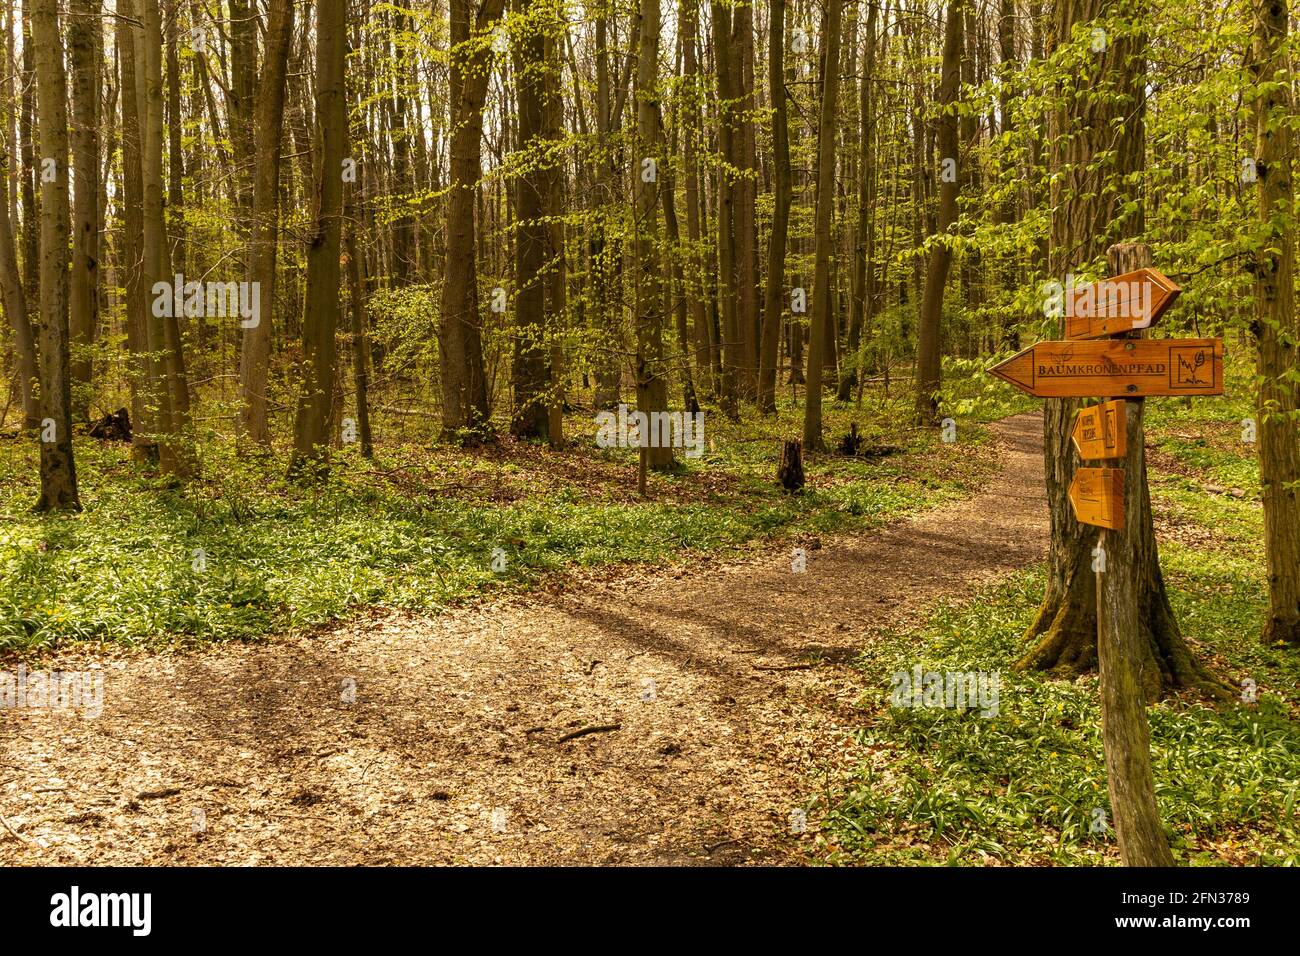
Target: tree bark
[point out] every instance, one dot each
(744, 200)
(321, 301)
(83, 22)
(696, 269)
(58, 468)
(864, 275)
(144, 447)
(651, 386)
(465, 411)
(928, 367)
(528, 367)
(727, 279)
(774, 295)
(15, 303)
(360, 338)
(255, 348)
(822, 326)
(1275, 328)
(167, 389)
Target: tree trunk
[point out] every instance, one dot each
(745, 197)
(58, 469)
(144, 447)
(163, 386)
(696, 268)
(465, 410)
(651, 386)
(1275, 328)
(83, 22)
(821, 314)
(727, 279)
(864, 248)
(553, 203)
(360, 340)
(528, 367)
(928, 367)
(255, 349)
(604, 253)
(774, 296)
(15, 303)
(321, 301)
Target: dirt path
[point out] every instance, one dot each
(727, 684)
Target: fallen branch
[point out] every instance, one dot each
(602, 729)
(717, 846)
(14, 833)
(158, 794)
(783, 667)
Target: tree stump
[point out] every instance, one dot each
(851, 442)
(790, 472)
(115, 426)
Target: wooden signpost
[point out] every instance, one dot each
(1095, 362)
(1097, 496)
(1099, 431)
(1110, 368)
(1134, 300)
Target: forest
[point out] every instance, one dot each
(646, 432)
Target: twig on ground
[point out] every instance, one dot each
(158, 794)
(14, 833)
(602, 729)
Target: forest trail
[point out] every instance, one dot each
(453, 749)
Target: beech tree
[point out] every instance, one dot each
(821, 314)
(928, 366)
(321, 313)
(255, 354)
(58, 469)
(1275, 328)
(465, 410)
(1097, 87)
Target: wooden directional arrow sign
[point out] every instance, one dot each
(1108, 368)
(1100, 431)
(1097, 495)
(1113, 306)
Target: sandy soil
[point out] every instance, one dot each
(700, 708)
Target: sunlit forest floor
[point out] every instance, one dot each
(726, 710)
(243, 553)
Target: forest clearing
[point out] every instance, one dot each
(755, 433)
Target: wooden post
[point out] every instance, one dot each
(1125, 733)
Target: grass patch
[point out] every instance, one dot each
(241, 553)
(1024, 787)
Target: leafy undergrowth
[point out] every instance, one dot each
(240, 552)
(1028, 784)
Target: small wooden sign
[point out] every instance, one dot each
(1100, 431)
(1097, 496)
(1134, 300)
(1110, 368)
